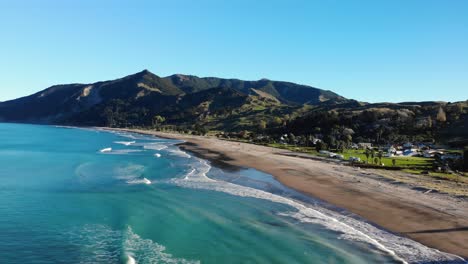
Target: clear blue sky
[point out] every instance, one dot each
(372, 50)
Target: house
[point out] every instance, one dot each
(391, 151)
(316, 140)
(423, 146)
(364, 145)
(430, 153)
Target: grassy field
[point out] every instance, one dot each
(410, 162)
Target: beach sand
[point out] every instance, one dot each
(399, 202)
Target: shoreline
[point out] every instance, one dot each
(433, 219)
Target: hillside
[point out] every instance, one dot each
(143, 95)
(386, 123)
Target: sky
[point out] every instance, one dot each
(373, 51)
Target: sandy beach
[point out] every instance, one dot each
(427, 210)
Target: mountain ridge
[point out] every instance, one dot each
(66, 99)
(189, 102)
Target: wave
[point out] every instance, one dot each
(154, 146)
(101, 244)
(67, 127)
(125, 143)
(157, 155)
(140, 181)
(103, 174)
(105, 150)
(119, 151)
(128, 172)
(137, 136)
(179, 153)
(402, 249)
(130, 259)
(147, 251)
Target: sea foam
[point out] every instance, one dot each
(119, 151)
(179, 153)
(105, 245)
(140, 181)
(105, 150)
(125, 143)
(155, 146)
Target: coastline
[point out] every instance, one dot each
(436, 220)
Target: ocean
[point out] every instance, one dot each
(75, 195)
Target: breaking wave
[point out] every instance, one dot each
(101, 244)
(179, 153)
(140, 181)
(119, 151)
(125, 143)
(104, 150)
(155, 146)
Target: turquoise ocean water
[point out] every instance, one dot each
(72, 195)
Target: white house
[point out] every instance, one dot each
(364, 145)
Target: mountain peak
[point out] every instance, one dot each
(144, 72)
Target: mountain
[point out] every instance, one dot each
(190, 103)
(286, 92)
(147, 94)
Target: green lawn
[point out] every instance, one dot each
(402, 161)
(418, 163)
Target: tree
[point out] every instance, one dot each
(320, 145)
(278, 121)
(348, 139)
(367, 153)
(292, 139)
(380, 155)
(376, 160)
(331, 141)
(262, 125)
(158, 120)
(441, 116)
(429, 122)
(309, 140)
(465, 159)
(340, 146)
